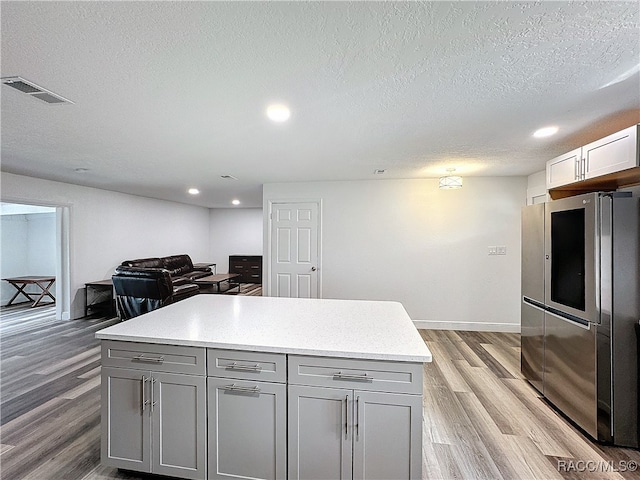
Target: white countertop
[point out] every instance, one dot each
(332, 328)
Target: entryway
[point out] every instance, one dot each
(35, 241)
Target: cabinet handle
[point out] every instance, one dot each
(142, 358)
(249, 368)
(237, 388)
(346, 417)
(349, 376)
(358, 417)
(153, 402)
(576, 170)
(144, 392)
(583, 173)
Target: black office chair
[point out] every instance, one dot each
(141, 290)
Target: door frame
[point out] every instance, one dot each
(63, 249)
(266, 262)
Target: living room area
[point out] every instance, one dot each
(104, 229)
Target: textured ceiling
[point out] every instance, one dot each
(170, 95)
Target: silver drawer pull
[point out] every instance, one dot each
(250, 368)
(142, 358)
(348, 376)
(237, 388)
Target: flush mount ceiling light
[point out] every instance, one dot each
(278, 113)
(450, 181)
(193, 191)
(235, 202)
(545, 132)
(36, 91)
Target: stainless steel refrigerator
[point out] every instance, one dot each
(580, 304)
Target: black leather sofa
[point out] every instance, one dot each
(180, 267)
(146, 284)
(141, 290)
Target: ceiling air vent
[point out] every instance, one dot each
(228, 177)
(30, 88)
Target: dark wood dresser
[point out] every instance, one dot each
(249, 267)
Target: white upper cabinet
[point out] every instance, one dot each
(610, 154)
(563, 169)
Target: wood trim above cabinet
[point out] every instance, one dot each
(604, 183)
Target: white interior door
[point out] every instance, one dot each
(294, 265)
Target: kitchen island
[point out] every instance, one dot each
(263, 387)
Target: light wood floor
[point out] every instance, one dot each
(481, 419)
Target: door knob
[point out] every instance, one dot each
(313, 269)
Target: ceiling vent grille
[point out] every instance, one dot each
(36, 91)
(228, 177)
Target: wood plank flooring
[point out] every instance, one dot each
(482, 420)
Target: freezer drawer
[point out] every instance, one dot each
(570, 370)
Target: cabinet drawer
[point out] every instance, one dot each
(149, 356)
(374, 375)
(268, 367)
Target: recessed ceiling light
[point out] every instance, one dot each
(545, 132)
(278, 113)
(235, 202)
(193, 191)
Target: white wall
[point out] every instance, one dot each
(108, 227)
(234, 231)
(537, 188)
(407, 240)
(41, 244)
(28, 248)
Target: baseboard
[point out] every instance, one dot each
(467, 326)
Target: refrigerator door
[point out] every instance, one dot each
(572, 255)
(532, 313)
(570, 370)
(533, 252)
(532, 343)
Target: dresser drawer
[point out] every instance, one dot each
(149, 356)
(374, 375)
(268, 367)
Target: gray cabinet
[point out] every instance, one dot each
(153, 421)
(247, 415)
(611, 154)
(192, 412)
(344, 432)
(320, 432)
(388, 435)
(126, 437)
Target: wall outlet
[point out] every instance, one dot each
(502, 250)
(493, 250)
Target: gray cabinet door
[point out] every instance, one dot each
(125, 419)
(320, 433)
(179, 416)
(387, 439)
(247, 429)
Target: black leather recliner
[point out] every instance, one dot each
(141, 290)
